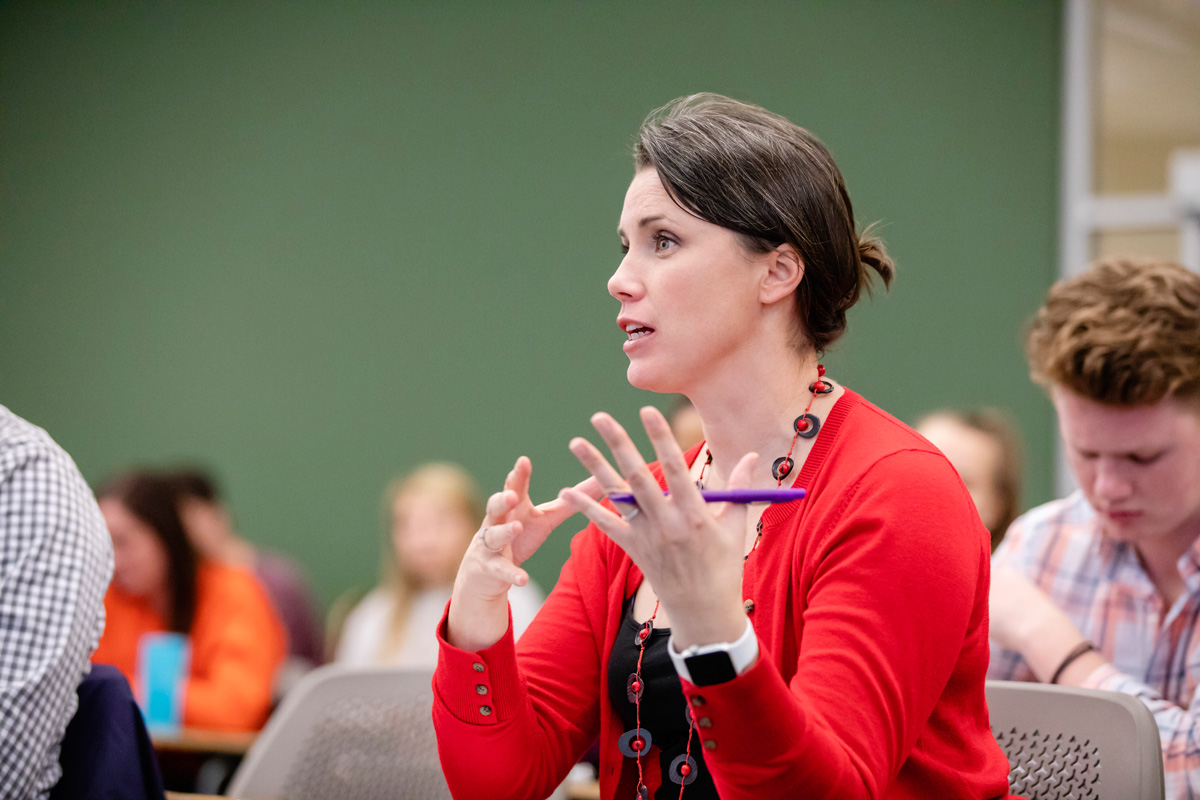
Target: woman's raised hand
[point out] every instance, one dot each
(690, 551)
(513, 529)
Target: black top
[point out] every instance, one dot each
(664, 711)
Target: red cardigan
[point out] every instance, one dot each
(870, 606)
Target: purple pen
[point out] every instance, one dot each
(729, 496)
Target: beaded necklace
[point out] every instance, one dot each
(683, 768)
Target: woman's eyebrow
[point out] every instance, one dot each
(644, 221)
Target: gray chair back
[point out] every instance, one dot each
(347, 734)
(1065, 743)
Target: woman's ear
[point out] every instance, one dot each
(785, 270)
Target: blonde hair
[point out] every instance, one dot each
(1125, 333)
(445, 481)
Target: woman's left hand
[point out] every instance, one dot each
(690, 551)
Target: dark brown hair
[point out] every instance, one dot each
(194, 482)
(744, 168)
(152, 499)
(1125, 333)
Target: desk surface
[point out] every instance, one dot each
(196, 740)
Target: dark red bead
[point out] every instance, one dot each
(820, 369)
(635, 686)
(802, 425)
(642, 634)
(638, 743)
(685, 770)
(781, 467)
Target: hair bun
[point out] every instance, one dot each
(873, 254)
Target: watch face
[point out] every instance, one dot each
(710, 668)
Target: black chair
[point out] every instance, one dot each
(106, 752)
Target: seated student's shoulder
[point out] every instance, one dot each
(877, 441)
(221, 587)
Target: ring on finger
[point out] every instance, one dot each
(483, 532)
(633, 512)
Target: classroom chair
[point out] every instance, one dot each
(1063, 742)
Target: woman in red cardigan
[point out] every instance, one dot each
(237, 641)
(831, 646)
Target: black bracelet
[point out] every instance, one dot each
(1073, 656)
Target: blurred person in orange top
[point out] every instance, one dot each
(159, 584)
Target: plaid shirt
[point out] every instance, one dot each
(1153, 651)
(55, 563)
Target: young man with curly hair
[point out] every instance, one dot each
(1102, 589)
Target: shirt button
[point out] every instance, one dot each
(480, 689)
(478, 667)
(710, 744)
(749, 606)
(698, 700)
(485, 710)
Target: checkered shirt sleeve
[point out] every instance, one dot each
(55, 564)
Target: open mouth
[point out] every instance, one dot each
(636, 331)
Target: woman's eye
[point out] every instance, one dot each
(624, 249)
(1143, 460)
(662, 244)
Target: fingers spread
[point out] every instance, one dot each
(670, 457)
(499, 504)
(613, 524)
(641, 482)
(519, 476)
(739, 478)
(591, 487)
(504, 570)
(496, 537)
(606, 478)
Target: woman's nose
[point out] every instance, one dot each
(623, 285)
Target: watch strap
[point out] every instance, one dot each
(705, 665)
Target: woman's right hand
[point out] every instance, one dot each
(513, 529)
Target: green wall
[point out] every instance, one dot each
(314, 244)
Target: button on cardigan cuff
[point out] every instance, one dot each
(478, 688)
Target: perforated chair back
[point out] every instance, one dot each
(346, 733)
(1065, 743)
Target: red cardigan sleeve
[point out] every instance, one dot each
(894, 589)
(516, 732)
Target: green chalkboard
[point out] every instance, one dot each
(314, 244)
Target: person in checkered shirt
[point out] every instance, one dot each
(1102, 589)
(55, 563)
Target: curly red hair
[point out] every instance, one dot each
(1125, 333)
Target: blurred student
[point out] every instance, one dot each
(983, 448)
(685, 423)
(431, 516)
(159, 584)
(1101, 589)
(210, 529)
(55, 563)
